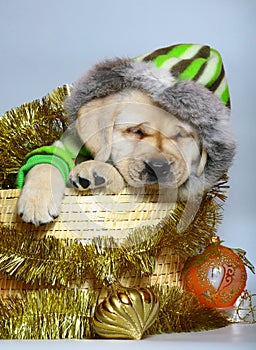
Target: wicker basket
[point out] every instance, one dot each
(84, 216)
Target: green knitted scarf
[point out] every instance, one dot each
(62, 158)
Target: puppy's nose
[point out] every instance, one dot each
(157, 169)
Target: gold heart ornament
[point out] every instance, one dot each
(126, 313)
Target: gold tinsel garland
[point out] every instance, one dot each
(67, 314)
(48, 314)
(32, 125)
(63, 312)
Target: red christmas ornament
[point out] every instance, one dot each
(217, 276)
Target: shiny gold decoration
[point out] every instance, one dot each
(48, 314)
(126, 313)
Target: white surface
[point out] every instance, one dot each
(236, 336)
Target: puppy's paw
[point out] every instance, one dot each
(40, 199)
(93, 174)
(37, 207)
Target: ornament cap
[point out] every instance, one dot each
(215, 240)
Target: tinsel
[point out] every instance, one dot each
(48, 314)
(34, 124)
(66, 314)
(180, 311)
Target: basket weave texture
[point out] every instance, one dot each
(86, 216)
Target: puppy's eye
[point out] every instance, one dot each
(137, 132)
(181, 134)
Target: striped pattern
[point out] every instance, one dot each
(193, 62)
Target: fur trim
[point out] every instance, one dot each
(187, 100)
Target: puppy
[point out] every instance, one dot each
(133, 142)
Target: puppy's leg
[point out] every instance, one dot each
(40, 199)
(94, 174)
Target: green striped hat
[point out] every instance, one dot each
(200, 63)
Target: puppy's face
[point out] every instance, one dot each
(145, 143)
(151, 146)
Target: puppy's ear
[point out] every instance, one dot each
(202, 162)
(95, 125)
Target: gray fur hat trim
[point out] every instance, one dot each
(188, 100)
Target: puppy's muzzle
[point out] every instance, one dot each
(157, 170)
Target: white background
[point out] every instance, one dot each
(44, 44)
